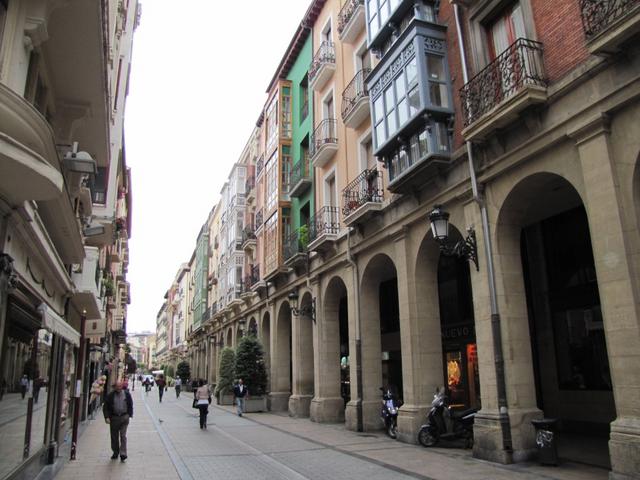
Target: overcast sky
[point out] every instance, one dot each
(200, 69)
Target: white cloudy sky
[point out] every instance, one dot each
(199, 73)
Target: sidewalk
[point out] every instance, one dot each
(431, 464)
(147, 456)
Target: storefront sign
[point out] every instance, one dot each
(461, 331)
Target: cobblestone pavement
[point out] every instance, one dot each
(165, 442)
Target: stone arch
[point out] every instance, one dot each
(331, 380)
(252, 326)
(531, 231)
(378, 298)
(281, 356)
(230, 339)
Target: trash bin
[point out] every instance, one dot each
(546, 440)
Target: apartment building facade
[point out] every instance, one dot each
(65, 190)
(517, 120)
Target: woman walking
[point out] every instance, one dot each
(202, 398)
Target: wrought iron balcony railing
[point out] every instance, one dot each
(597, 15)
(249, 184)
(300, 171)
(259, 218)
(324, 222)
(255, 274)
(325, 133)
(248, 233)
(520, 65)
(366, 187)
(346, 13)
(259, 165)
(326, 53)
(354, 92)
(296, 243)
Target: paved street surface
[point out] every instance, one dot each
(165, 442)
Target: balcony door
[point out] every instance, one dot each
(505, 29)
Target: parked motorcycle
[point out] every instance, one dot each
(443, 423)
(389, 412)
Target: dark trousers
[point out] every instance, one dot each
(161, 392)
(23, 391)
(118, 428)
(177, 391)
(204, 410)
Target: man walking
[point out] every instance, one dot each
(240, 392)
(162, 384)
(178, 386)
(118, 410)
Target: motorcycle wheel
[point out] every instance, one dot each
(392, 430)
(428, 437)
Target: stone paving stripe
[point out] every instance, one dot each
(181, 468)
(346, 452)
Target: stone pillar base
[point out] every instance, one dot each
(624, 449)
(299, 405)
(487, 436)
(327, 410)
(370, 416)
(410, 419)
(279, 401)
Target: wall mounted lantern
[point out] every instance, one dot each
(465, 248)
(308, 310)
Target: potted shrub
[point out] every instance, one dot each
(303, 236)
(183, 370)
(251, 368)
(108, 287)
(226, 375)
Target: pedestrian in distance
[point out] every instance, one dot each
(240, 392)
(201, 400)
(24, 383)
(178, 386)
(118, 410)
(162, 385)
(147, 386)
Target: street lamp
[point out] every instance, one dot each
(308, 310)
(465, 248)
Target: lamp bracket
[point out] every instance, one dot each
(466, 248)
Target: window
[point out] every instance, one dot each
(286, 112)
(328, 108)
(330, 194)
(272, 124)
(438, 88)
(271, 241)
(304, 98)
(505, 30)
(3, 17)
(272, 181)
(286, 168)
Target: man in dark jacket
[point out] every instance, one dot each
(162, 385)
(118, 410)
(240, 392)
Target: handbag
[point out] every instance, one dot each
(195, 403)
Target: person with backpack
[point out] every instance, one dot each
(162, 385)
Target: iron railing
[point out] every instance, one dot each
(326, 53)
(518, 66)
(346, 13)
(259, 218)
(325, 133)
(296, 242)
(249, 184)
(354, 92)
(248, 233)
(366, 187)
(325, 221)
(259, 165)
(300, 171)
(597, 15)
(255, 274)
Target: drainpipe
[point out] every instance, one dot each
(503, 405)
(356, 284)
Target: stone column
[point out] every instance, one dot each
(279, 394)
(618, 289)
(302, 362)
(327, 404)
(419, 333)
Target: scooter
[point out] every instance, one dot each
(443, 423)
(389, 412)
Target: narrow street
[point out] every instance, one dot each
(166, 443)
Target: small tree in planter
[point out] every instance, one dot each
(183, 370)
(226, 374)
(250, 367)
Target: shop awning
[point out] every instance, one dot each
(58, 325)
